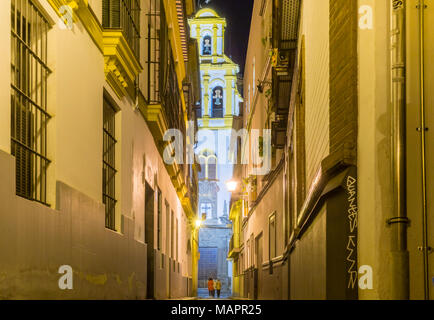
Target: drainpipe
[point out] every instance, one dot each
(422, 129)
(399, 253)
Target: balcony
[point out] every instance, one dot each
(234, 246)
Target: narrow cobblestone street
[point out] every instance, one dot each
(271, 149)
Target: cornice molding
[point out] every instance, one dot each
(121, 66)
(73, 4)
(156, 120)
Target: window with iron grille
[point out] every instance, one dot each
(156, 28)
(109, 165)
(29, 116)
(124, 15)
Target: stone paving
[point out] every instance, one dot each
(202, 293)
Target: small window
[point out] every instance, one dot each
(172, 235)
(207, 46)
(217, 102)
(206, 208)
(176, 240)
(167, 233)
(159, 219)
(272, 236)
(252, 251)
(248, 254)
(109, 164)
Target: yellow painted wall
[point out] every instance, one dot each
(5, 79)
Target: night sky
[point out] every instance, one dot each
(238, 14)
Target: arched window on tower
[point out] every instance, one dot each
(208, 166)
(217, 102)
(207, 46)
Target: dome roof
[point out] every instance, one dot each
(207, 13)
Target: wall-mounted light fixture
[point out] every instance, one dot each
(261, 85)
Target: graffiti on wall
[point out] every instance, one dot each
(352, 211)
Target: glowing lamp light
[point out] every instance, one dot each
(198, 223)
(231, 185)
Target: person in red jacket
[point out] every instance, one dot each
(211, 287)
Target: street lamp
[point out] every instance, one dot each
(198, 223)
(231, 185)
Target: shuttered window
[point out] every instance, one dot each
(109, 164)
(29, 117)
(124, 15)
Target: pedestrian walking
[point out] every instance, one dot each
(218, 287)
(211, 287)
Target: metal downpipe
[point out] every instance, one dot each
(399, 254)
